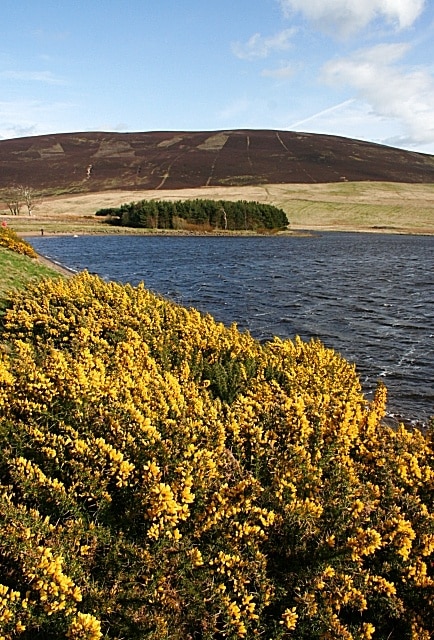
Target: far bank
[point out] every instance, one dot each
(363, 206)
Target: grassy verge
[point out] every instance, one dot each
(18, 271)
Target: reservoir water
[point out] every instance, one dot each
(368, 296)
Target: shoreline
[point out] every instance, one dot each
(392, 418)
(291, 233)
(296, 233)
(131, 231)
(362, 207)
(55, 266)
(142, 232)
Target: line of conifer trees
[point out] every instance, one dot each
(214, 214)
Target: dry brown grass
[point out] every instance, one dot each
(350, 206)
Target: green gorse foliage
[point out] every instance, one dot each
(163, 476)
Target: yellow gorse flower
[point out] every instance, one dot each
(164, 475)
(289, 618)
(84, 627)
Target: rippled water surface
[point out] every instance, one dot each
(369, 296)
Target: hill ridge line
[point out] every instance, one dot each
(84, 162)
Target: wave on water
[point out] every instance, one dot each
(368, 296)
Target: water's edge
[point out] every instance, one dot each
(370, 297)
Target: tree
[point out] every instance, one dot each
(12, 198)
(225, 218)
(17, 196)
(30, 197)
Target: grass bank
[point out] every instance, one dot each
(19, 270)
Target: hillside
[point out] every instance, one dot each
(99, 161)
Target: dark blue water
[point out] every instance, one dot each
(368, 296)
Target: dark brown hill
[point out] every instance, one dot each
(97, 161)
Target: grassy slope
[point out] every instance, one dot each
(17, 270)
(360, 206)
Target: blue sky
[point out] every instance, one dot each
(357, 68)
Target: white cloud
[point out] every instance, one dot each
(405, 95)
(280, 73)
(32, 117)
(234, 109)
(346, 17)
(260, 112)
(32, 76)
(14, 120)
(260, 47)
(350, 118)
(10, 130)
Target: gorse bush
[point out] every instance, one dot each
(10, 240)
(163, 476)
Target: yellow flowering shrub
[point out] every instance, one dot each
(10, 240)
(163, 476)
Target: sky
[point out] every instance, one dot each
(355, 68)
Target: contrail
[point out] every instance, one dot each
(321, 113)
